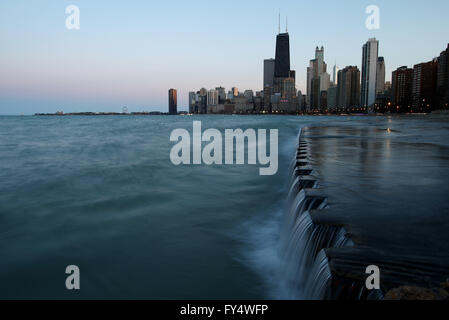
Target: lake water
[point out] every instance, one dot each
(101, 193)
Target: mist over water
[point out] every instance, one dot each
(102, 193)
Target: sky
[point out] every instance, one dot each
(129, 53)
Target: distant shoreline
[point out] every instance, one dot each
(228, 114)
(105, 114)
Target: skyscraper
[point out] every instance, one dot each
(380, 78)
(443, 79)
(311, 71)
(192, 102)
(282, 61)
(335, 74)
(283, 91)
(212, 97)
(319, 55)
(424, 86)
(172, 101)
(369, 72)
(317, 79)
(402, 88)
(221, 94)
(202, 104)
(268, 72)
(325, 81)
(249, 95)
(349, 87)
(332, 97)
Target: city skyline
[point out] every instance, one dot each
(47, 68)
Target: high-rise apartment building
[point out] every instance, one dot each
(402, 83)
(268, 72)
(369, 73)
(249, 95)
(424, 90)
(212, 97)
(202, 104)
(192, 101)
(349, 87)
(332, 97)
(221, 95)
(443, 79)
(172, 101)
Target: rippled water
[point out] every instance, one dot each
(101, 193)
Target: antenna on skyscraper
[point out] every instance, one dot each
(279, 21)
(286, 24)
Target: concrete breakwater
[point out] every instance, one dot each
(337, 224)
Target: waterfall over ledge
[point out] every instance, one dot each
(305, 238)
(327, 245)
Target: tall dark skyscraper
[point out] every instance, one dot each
(282, 64)
(172, 101)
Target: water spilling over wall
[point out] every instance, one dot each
(304, 237)
(332, 230)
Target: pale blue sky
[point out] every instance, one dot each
(131, 52)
